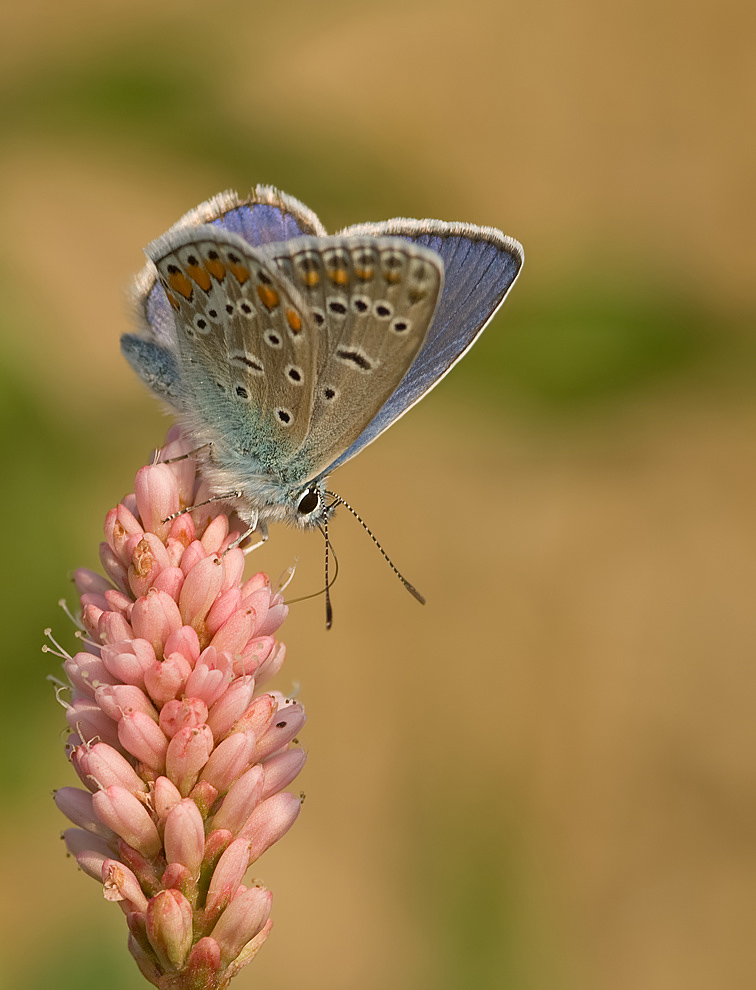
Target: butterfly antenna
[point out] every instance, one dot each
(329, 609)
(338, 500)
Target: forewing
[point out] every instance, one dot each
(480, 265)
(247, 349)
(265, 216)
(373, 300)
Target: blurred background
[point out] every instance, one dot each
(546, 778)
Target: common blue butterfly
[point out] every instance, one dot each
(285, 351)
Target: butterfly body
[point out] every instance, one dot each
(284, 351)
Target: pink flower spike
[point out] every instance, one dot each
(157, 495)
(269, 821)
(276, 615)
(126, 816)
(184, 838)
(243, 797)
(226, 878)
(169, 928)
(182, 766)
(120, 884)
(241, 921)
(188, 752)
(142, 737)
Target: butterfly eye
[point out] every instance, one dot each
(309, 502)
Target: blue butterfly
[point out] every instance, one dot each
(285, 351)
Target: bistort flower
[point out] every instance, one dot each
(183, 762)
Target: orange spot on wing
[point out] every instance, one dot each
(268, 297)
(181, 284)
(199, 275)
(172, 299)
(240, 272)
(392, 277)
(339, 276)
(364, 274)
(294, 320)
(216, 268)
(311, 278)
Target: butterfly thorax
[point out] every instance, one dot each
(260, 497)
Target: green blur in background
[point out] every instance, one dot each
(546, 778)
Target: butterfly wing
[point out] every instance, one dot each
(265, 216)
(373, 299)
(480, 267)
(246, 348)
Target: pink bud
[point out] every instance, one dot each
(193, 554)
(157, 496)
(258, 715)
(117, 700)
(86, 672)
(203, 964)
(269, 821)
(127, 661)
(89, 581)
(92, 724)
(241, 921)
(243, 797)
(184, 838)
(165, 679)
(112, 627)
(210, 677)
(281, 769)
(202, 585)
(101, 765)
(229, 760)
(255, 656)
(166, 796)
(186, 642)
(113, 567)
(76, 805)
(224, 606)
(154, 617)
(169, 927)
(230, 707)
(148, 558)
(143, 738)
(236, 632)
(187, 754)
(171, 581)
(215, 534)
(226, 878)
(120, 524)
(120, 884)
(126, 816)
(284, 726)
(189, 713)
(233, 564)
(89, 851)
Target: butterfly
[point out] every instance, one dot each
(285, 351)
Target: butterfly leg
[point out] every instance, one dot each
(225, 497)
